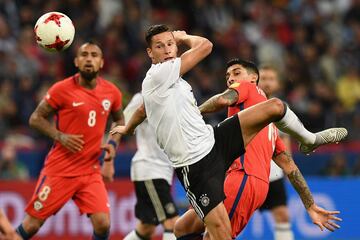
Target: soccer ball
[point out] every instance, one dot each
(54, 31)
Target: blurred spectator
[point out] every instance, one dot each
(337, 166)
(10, 167)
(348, 88)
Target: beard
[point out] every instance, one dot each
(88, 76)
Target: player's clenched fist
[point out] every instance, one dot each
(179, 36)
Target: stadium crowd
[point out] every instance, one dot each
(314, 44)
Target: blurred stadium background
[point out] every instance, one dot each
(314, 44)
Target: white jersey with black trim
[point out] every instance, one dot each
(172, 111)
(149, 161)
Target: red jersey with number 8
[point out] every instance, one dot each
(80, 111)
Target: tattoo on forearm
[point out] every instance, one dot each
(219, 101)
(231, 96)
(211, 105)
(299, 183)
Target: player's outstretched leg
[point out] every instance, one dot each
(255, 118)
(331, 135)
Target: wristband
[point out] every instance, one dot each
(112, 142)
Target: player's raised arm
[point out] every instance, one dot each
(39, 121)
(219, 101)
(200, 47)
(137, 118)
(319, 216)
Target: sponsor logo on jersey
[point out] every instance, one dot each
(106, 104)
(204, 200)
(38, 205)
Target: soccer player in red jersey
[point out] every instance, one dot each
(247, 181)
(82, 104)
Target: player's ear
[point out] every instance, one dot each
(76, 62)
(101, 63)
(149, 52)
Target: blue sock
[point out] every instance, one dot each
(21, 231)
(102, 237)
(191, 236)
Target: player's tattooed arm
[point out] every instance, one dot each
(219, 101)
(39, 120)
(285, 161)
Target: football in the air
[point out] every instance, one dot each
(54, 31)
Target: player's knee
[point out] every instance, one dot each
(170, 223)
(31, 227)
(146, 230)
(101, 225)
(277, 107)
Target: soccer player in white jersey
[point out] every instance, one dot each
(152, 175)
(276, 198)
(201, 154)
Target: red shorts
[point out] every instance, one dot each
(52, 192)
(244, 194)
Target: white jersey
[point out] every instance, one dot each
(275, 172)
(149, 161)
(172, 111)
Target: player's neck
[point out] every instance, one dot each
(89, 84)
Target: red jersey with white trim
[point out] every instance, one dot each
(80, 111)
(259, 152)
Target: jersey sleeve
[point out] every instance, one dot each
(54, 96)
(279, 146)
(242, 90)
(166, 74)
(135, 102)
(117, 104)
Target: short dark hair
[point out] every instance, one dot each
(248, 65)
(153, 30)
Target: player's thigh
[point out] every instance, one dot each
(154, 201)
(244, 194)
(50, 194)
(92, 196)
(217, 221)
(255, 118)
(188, 223)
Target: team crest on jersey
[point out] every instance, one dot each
(38, 205)
(204, 200)
(106, 104)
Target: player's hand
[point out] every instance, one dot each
(179, 36)
(121, 129)
(108, 171)
(110, 152)
(10, 236)
(74, 143)
(323, 218)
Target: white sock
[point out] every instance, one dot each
(291, 124)
(132, 236)
(283, 231)
(168, 236)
